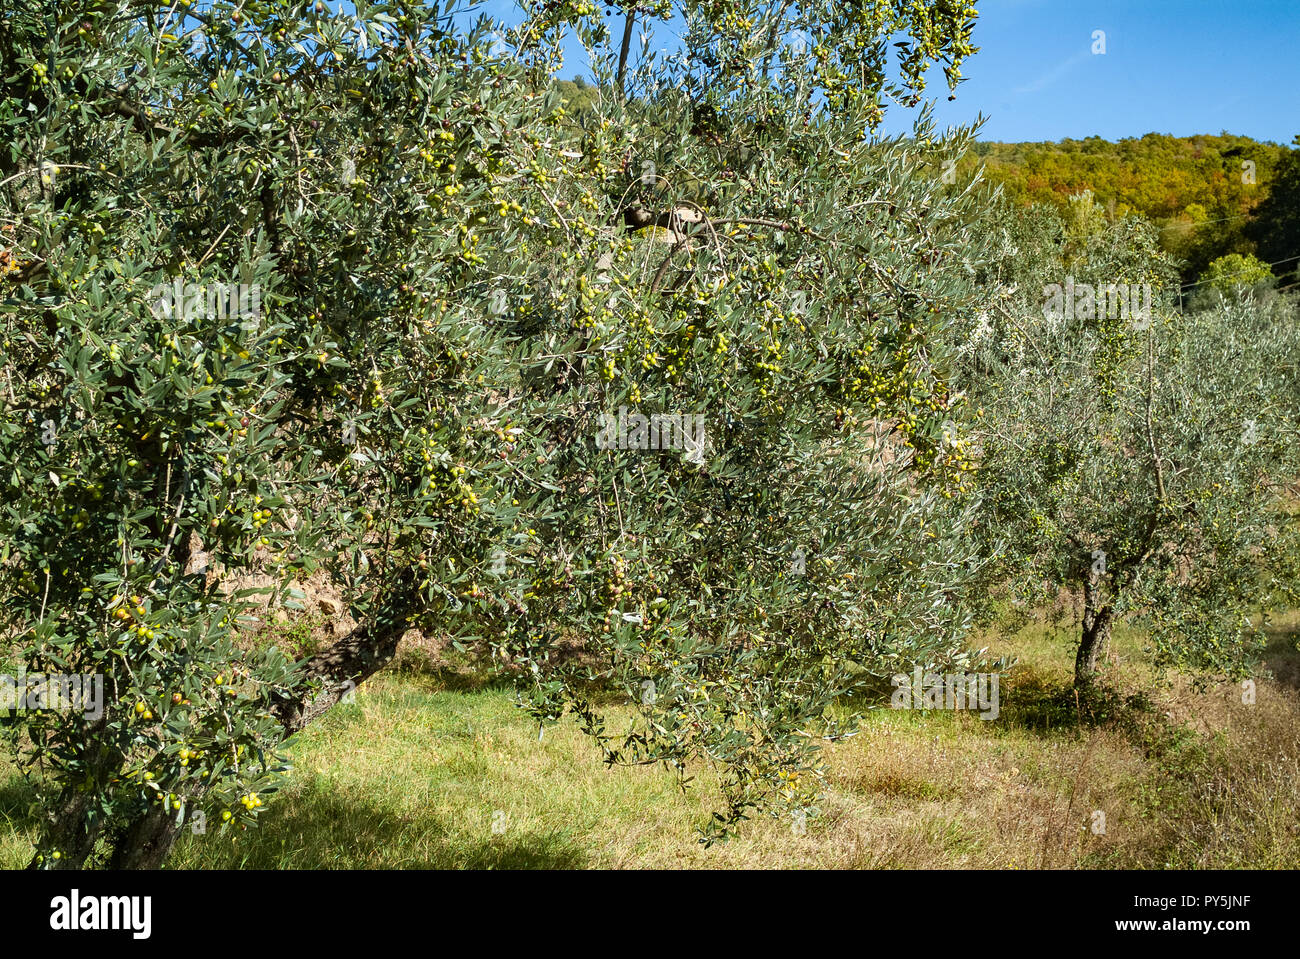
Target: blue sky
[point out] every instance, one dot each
(1170, 66)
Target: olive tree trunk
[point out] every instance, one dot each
(74, 828)
(1097, 615)
(147, 841)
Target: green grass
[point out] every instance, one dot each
(412, 774)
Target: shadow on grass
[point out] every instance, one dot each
(446, 679)
(1047, 704)
(319, 829)
(16, 796)
(453, 677)
(1282, 655)
(1044, 703)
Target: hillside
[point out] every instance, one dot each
(1201, 190)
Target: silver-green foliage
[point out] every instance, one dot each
(1141, 460)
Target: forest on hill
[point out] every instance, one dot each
(1210, 196)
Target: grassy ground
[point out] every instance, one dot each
(413, 774)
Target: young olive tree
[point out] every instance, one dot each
(1131, 452)
(288, 291)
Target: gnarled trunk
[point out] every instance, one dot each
(149, 839)
(1097, 614)
(71, 833)
(74, 826)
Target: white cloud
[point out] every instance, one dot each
(1054, 74)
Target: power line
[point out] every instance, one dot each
(1170, 226)
(1241, 272)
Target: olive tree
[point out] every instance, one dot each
(1131, 452)
(294, 292)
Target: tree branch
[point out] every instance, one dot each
(340, 669)
(628, 23)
